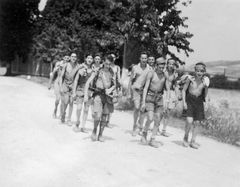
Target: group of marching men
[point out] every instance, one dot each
(155, 87)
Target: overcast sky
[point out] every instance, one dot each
(216, 28)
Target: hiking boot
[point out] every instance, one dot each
(153, 143)
(54, 115)
(84, 130)
(165, 134)
(194, 145)
(134, 133)
(100, 139)
(76, 128)
(94, 137)
(185, 143)
(144, 139)
(69, 123)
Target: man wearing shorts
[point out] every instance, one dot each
(81, 78)
(66, 83)
(55, 77)
(152, 101)
(102, 87)
(136, 83)
(194, 93)
(170, 95)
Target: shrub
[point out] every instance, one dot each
(222, 123)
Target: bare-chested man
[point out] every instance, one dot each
(117, 77)
(136, 83)
(55, 77)
(170, 99)
(103, 87)
(152, 101)
(66, 83)
(97, 62)
(194, 93)
(81, 78)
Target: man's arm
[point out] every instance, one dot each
(184, 90)
(86, 88)
(145, 89)
(62, 76)
(75, 83)
(130, 81)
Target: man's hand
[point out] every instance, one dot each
(74, 96)
(143, 107)
(206, 81)
(85, 98)
(185, 105)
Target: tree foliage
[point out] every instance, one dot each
(103, 26)
(17, 19)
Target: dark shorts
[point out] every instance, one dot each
(102, 104)
(67, 89)
(195, 107)
(154, 102)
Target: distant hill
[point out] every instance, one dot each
(230, 68)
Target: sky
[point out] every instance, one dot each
(216, 29)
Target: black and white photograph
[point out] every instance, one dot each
(119, 93)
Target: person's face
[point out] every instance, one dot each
(159, 67)
(73, 57)
(143, 58)
(114, 57)
(97, 59)
(151, 60)
(107, 63)
(89, 59)
(200, 71)
(171, 64)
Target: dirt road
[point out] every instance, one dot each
(35, 150)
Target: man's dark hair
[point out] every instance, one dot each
(88, 54)
(109, 57)
(143, 53)
(200, 64)
(98, 54)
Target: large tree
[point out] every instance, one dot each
(16, 22)
(104, 25)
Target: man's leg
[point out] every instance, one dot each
(64, 102)
(189, 122)
(97, 113)
(141, 121)
(157, 120)
(55, 108)
(103, 123)
(165, 120)
(193, 143)
(135, 120)
(146, 127)
(78, 114)
(85, 115)
(70, 109)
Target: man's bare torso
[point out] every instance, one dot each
(140, 76)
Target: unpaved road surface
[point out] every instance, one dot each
(35, 150)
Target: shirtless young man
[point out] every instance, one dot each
(97, 62)
(55, 77)
(194, 93)
(66, 82)
(170, 100)
(152, 101)
(103, 87)
(81, 78)
(136, 83)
